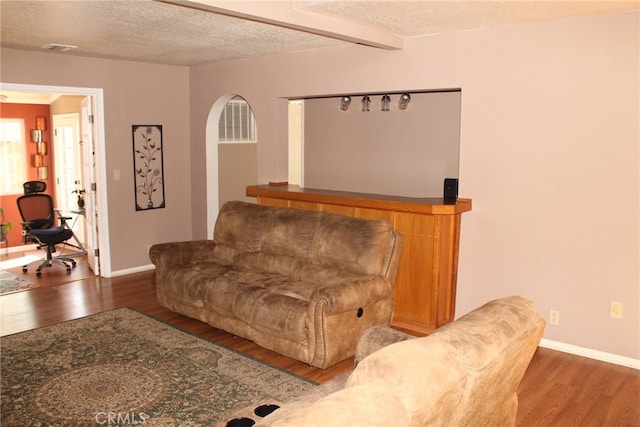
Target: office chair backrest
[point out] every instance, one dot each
(31, 187)
(37, 210)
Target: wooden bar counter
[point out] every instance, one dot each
(425, 290)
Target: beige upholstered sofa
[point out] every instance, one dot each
(304, 284)
(466, 373)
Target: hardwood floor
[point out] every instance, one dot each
(558, 389)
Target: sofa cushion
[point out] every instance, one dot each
(269, 302)
(352, 244)
(190, 281)
(280, 315)
(291, 232)
(269, 262)
(241, 227)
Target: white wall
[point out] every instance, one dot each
(549, 155)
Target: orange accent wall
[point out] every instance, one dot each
(28, 112)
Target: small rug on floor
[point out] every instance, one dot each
(11, 283)
(123, 366)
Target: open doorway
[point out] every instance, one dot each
(231, 154)
(93, 167)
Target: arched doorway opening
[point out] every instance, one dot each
(231, 153)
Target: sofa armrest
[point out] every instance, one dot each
(176, 254)
(373, 339)
(352, 293)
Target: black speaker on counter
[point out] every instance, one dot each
(450, 190)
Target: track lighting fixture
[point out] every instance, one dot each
(386, 103)
(345, 102)
(366, 102)
(404, 100)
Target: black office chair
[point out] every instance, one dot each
(31, 187)
(38, 216)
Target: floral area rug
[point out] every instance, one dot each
(11, 283)
(122, 367)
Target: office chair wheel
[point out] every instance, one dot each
(38, 273)
(24, 269)
(73, 263)
(68, 270)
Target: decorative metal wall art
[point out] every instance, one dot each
(148, 166)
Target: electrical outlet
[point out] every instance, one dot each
(616, 309)
(554, 317)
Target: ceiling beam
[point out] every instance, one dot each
(283, 14)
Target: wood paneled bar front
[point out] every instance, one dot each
(425, 290)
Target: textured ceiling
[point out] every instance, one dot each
(143, 30)
(416, 18)
(170, 33)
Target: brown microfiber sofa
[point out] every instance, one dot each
(465, 373)
(304, 284)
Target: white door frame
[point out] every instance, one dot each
(98, 95)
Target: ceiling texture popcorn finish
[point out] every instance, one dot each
(189, 33)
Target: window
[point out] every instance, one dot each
(237, 123)
(13, 157)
